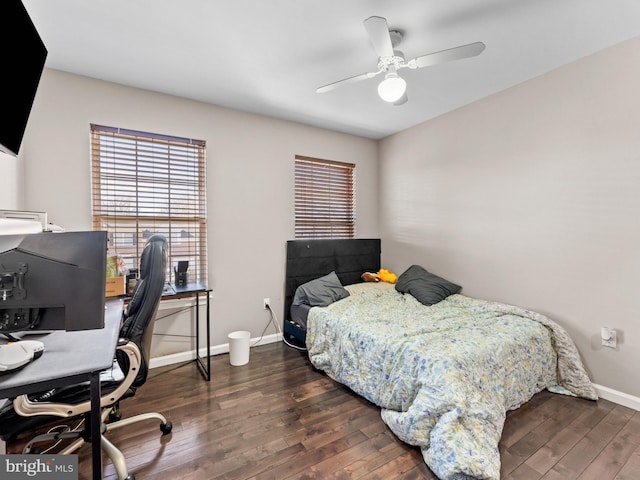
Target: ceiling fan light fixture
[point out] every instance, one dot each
(392, 88)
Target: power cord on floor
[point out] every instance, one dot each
(273, 318)
(277, 323)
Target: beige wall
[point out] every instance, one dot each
(10, 182)
(532, 197)
(528, 197)
(250, 162)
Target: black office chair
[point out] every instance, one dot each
(28, 411)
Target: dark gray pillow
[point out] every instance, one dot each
(320, 292)
(425, 286)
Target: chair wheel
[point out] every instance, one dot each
(131, 476)
(114, 417)
(166, 427)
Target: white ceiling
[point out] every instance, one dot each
(269, 56)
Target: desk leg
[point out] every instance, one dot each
(208, 340)
(96, 427)
(206, 370)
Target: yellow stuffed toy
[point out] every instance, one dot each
(383, 275)
(387, 276)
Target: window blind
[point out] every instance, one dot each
(144, 183)
(324, 198)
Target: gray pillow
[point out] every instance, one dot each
(320, 292)
(425, 286)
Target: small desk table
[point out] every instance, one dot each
(68, 358)
(195, 289)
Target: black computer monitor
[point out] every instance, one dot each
(52, 281)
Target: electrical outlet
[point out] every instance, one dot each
(609, 337)
(266, 303)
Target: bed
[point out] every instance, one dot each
(444, 368)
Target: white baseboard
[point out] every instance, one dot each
(190, 355)
(615, 396)
(605, 393)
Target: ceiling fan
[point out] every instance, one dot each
(393, 88)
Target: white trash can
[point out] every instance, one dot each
(239, 347)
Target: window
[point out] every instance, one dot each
(144, 183)
(325, 198)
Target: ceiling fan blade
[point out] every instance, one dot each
(456, 53)
(379, 33)
(401, 101)
(356, 78)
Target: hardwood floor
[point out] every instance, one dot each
(277, 418)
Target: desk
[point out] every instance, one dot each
(72, 357)
(195, 289)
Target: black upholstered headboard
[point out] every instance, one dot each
(310, 259)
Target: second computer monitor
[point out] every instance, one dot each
(52, 281)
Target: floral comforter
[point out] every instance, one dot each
(444, 375)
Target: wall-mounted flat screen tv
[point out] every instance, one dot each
(22, 57)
